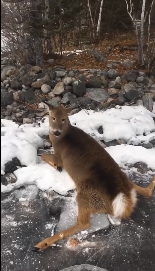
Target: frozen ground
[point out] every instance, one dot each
(42, 200)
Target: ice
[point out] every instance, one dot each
(83, 267)
(68, 218)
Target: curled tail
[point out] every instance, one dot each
(146, 192)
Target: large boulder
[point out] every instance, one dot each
(6, 98)
(59, 88)
(16, 84)
(96, 94)
(94, 82)
(79, 88)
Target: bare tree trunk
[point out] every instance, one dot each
(142, 32)
(91, 18)
(47, 34)
(99, 19)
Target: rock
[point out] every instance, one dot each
(12, 165)
(100, 130)
(54, 101)
(59, 68)
(16, 95)
(10, 69)
(74, 111)
(140, 79)
(16, 84)
(71, 74)
(141, 167)
(51, 95)
(67, 98)
(152, 89)
(59, 88)
(139, 102)
(104, 81)
(27, 80)
(61, 74)
(28, 120)
(8, 179)
(28, 96)
(82, 77)
(36, 69)
(52, 75)
(50, 61)
(147, 145)
(112, 91)
(68, 81)
(82, 102)
(127, 63)
(45, 88)
(37, 84)
(152, 142)
(130, 76)
(131, 93)
(51, 83)
(79, 88)
(94, 82)
(99, 56)
(96, 94)
(112, 74)
(6, 98)
(83, 267)
(40, 75)
(148, 101)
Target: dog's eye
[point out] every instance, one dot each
(53, 118)
(63, 120)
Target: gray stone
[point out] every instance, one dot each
(52, 75)
(147, 145)
(141, 167)
(79, 88)
(112, 74)
(139, 102)
(54, 101)
(6, 98)
(127, 63)
(51, 83)
(36, 69)
(140, 79)
(59, 88)
(16, 95)
(50, 61)
(82, 77)
(82, 102)
(130, 76)
(45, 88)
(67, 98)
(16, 84)
(112, 91)
(94, 82)
(74, 111)
(8, 178)
(71, 74)
(51, 95)
(28, 120)
(28, 96)
(99, 56)
(131, 93)
(96, 94)
(152, 142)
(68, 81)
(59, 68)
(27, 80)
(60, 74)
(148, 101)
(104, 80)
(6, 69)
(152, 89)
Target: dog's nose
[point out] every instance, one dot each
(57, 133)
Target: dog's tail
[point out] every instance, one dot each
(146, 192)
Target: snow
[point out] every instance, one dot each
(134, 124)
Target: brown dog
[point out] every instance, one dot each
(101, 185)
